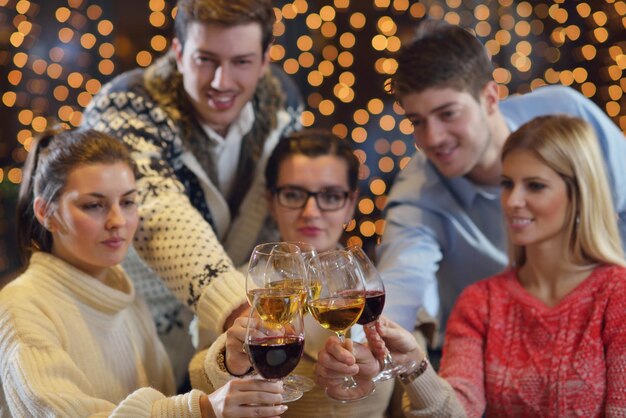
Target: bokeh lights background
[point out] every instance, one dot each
(55, 55)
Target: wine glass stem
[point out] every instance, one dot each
(348, 381)
(386, 362)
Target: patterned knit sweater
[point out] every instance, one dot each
(71, 346)
(507, 354)
(189, 233)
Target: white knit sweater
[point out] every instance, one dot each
(71, 346)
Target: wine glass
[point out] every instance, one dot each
(275, 265)
(275, 343)
(374, 303)
(309, 254)
(277, 269)
(336, 306)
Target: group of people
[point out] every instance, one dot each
(181, 168)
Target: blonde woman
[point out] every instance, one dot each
(547, 337)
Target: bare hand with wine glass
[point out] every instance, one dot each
(275, 347)
(374, 304)
(337, 304)
(361, 360)
(276, 270)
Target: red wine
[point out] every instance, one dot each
(275, 357)
(374, 303)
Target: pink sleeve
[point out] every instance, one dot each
(614, 337)
(463, 364)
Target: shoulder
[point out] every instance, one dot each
(292, 95)
(561, 96)
(25, 312)
(21, 290)
(127, 81)
(483, 287)
(481, 294)
(611, 278)
(416, 179)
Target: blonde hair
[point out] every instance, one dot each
(569, 146)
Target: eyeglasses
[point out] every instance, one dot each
(296, 197)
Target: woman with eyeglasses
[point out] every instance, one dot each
(312, 179)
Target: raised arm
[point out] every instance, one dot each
(173, 238)
(409, 254)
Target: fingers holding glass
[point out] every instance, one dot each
(275, 342)
(374, 304)
(337, 304)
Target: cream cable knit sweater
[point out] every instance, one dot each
(71, 346)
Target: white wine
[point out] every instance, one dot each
(337, 313)
(276, 305)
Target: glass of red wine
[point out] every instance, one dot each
(309, 254)
(275, 343)
(275, 271)
(336, 302)
(374, 304)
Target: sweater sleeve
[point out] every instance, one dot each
(39, 378)
(614, 336)
(431, 396)
(464, 345)
(458, 391)
(173, 237)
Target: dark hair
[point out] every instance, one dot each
(51, 159)
(225, 13)
(442, 55)
(312, 143)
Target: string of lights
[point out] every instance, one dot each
(56, 54)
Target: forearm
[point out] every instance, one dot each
(184, 252)
(431, 396)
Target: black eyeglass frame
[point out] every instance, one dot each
(276, 191)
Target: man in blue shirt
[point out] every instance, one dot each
(444, 226)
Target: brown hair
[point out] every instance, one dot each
(225, 13)
(569, 146)
(51, 159)
(442, 55)
(312, 143)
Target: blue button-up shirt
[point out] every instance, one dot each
(442, 234)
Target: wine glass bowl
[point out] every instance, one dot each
(275, 265)
(275, 349)
(337, 302)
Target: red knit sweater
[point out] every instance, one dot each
(508, 354)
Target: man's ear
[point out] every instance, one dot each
(177, 47)
(490, 96)
(40, 208)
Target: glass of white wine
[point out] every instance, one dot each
(275, 344)
(337, 306)
(275, 265)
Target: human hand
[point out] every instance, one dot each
(241, 398)
(237, 360)
(335, 361)
(400, 343)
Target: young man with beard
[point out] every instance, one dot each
(201, 122)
